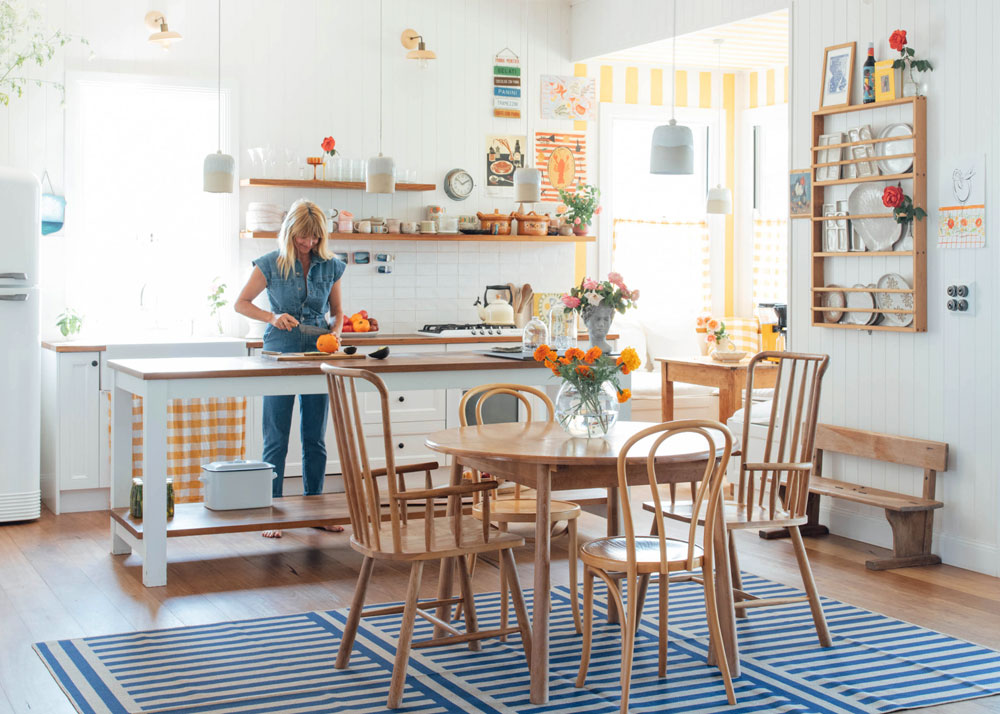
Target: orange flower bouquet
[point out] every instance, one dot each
(590, 395)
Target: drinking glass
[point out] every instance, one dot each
(256, 161)
(335, 169)
(291, 164)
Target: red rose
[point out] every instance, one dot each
(328, 144)
(897, 39)
(892, 197)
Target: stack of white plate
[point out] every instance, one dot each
(264, 216)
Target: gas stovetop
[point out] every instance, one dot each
(470, 330)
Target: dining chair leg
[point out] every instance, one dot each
(641, 595)
(715, 634)
(472, 560)
(734, 568)
(445, 582)
(513, 584)
(573, 588)
(405, 637)
(504, 604)
(819, 619)
(588, 624)
(354, 614)
(469, 609)
(628, 640)
(664, 597)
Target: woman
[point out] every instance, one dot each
(302, 279)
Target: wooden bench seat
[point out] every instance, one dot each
(910, 517)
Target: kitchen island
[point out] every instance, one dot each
(158, 381)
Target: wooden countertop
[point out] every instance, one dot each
(224, 367)
(414, 338)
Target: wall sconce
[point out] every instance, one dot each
(417, 48)
(162, 35)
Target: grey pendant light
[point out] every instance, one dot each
(720, 198)
(672, 150)
(527, 179)
(219, 169)
(380, 176)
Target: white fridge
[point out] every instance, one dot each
(20, 348)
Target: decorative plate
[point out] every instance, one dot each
(894, 301)
(728, 356)
(833, 300)
(891, 148)
(859, 300)
(878, 234)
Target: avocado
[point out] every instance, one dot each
(350, 349)
(380, 353)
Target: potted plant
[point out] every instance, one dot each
(907, 62)
(716, 336)
(216, 302)
(581, 207)
(597, 302)
(70, 322)
(590, 394)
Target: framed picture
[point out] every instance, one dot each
(826, 156)
(800, 193)
(838, 75)
(885, 81)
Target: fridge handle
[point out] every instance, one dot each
(16, 297)
(13, 276)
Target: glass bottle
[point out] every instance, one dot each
(868, 76)
(535, 335)
(562, 328)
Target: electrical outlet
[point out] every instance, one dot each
(384, 257)
(385, 269)
(961, 298)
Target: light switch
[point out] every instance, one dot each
(960, 298)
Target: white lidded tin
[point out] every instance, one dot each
(230, 485)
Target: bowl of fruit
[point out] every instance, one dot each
(360, 324)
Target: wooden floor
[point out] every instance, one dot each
(57, 580)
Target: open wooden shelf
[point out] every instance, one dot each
(917, 257)
(441, 237)
(309, 183)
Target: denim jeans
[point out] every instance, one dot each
(312, 422)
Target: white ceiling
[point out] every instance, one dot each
(748, 44)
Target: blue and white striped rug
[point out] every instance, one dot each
(284, 665)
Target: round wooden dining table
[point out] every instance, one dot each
(540, 455)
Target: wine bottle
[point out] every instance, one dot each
(868, 76)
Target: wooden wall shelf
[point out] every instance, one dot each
(440, 237)
(349, 185)
(917, 257)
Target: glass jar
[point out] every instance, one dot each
(562, 328)
(135, 499)
(587, 414)
(535, 335)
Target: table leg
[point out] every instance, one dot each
(730, 397)
(121, 461)
(445, 579)
(724, 598)
(540, 607)
(154, 484)
(666, 394)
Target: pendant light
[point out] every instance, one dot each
(720, 198)
(527, 179)
(381, 174)
(219, 169)
(672, 150)
(161, 34)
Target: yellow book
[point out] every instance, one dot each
(885, 81)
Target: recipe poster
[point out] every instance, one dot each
(504, 154)
(562, 157)
(568, 97)
(962, 202)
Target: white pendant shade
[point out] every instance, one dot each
(381, 175)
(720, 201)
(672, 150)
(527, 185)
(219, 172)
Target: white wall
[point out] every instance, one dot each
(942, 384)
(307, 69)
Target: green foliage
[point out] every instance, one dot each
(25, 41)
(69, 322)
(216, 301)
(906, 59)
(582, 203)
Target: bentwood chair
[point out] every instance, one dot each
(517, 509)
(401, 537)
(635, 558)
(773, 492)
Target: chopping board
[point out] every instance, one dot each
(309, 356)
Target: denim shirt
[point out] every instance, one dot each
(306, 300)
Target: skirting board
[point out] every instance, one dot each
(959, 552)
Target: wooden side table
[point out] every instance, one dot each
(729, 377)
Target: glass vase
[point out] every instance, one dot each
(911, 86)
(591, 413)
(562, 328)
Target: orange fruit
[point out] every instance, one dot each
(361, 325)
(327, 343)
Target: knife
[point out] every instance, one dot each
(313, 329)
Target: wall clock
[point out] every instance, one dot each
(458, 184)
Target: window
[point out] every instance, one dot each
(769, 224)
(145, 241)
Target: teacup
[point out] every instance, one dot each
(379, 228)
(409, 227)
(434, 211)
(363, 226)
(345, 225)
(428, 227)
(393, 225)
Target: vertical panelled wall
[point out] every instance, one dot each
(942, 384)
(308, 69)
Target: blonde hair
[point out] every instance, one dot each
(304, 219)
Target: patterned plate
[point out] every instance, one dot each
(859, 300)
(833, 300)
(894, 301)
(878, 234)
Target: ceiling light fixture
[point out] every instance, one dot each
(417, 48)
(527, 179)
(672, 150)
(380, 176)
(219, 169)
(720, 198)
(162, 35)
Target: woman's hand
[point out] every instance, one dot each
(284, 321)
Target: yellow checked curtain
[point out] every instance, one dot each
(770, 261)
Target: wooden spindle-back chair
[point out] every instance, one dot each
(634, 558)
(378, 535)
